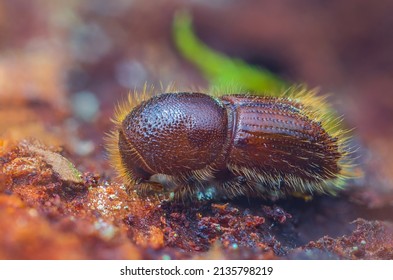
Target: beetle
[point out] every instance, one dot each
(221, 147)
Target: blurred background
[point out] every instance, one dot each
(64, 65)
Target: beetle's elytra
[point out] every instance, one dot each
(230, 145)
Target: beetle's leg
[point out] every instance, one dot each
(187, 188)
(234, 187)
(147, 188)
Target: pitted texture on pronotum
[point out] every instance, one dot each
(231, 145)
(176, 133)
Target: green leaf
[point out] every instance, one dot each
(219, 69)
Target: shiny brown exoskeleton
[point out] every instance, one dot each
(227, 146)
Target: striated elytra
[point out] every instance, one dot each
(229, 145)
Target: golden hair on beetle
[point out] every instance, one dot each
(223, 145)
